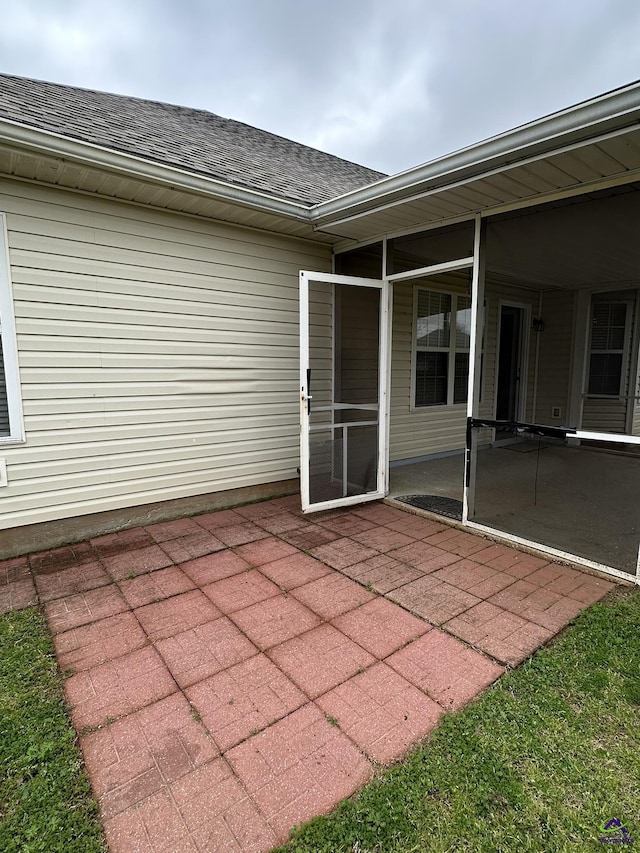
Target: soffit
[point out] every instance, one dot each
(65, 173)
(608, 160)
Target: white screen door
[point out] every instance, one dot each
(344, 358)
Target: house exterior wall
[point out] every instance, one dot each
(158, 354)
(555, 355)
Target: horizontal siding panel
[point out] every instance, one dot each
(37, 508)
(142, 335)
(159, 283)
(133, 402)
(117, 233)
(91, 266)
(68, 207)
(136, 478)
(164, 418)
(251, 355)
(141, 453)
(232, 265)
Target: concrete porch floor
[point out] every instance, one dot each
(578, 500)
(237, 673)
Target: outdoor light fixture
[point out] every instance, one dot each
(537, 324)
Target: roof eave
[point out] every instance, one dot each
(47, 143)
(616, 109)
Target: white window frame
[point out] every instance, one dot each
(451, 350)
(624, 352)
(9, 343)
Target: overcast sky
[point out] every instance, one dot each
(387, 83)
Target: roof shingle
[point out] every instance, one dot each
(194, 140)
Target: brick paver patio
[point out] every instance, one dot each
(237, 673)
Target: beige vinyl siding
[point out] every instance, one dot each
(554, 357)
(158, 354)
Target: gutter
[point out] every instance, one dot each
(66, 149)
(614, 110)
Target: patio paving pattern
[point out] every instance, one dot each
(234, 674)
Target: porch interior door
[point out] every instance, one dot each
(509, 364)
(343, 383)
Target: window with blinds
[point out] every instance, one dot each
(607, 356)
(442, 336)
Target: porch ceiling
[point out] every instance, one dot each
(587, 166)
(585, 241)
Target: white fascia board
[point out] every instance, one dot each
(611, 111)
(47, 143)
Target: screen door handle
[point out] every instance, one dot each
(309, 398)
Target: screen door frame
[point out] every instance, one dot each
(306, 397)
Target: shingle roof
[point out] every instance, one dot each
(195, 140)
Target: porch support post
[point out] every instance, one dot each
(475, 355)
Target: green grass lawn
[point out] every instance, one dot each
(543, 759)
(45, 799)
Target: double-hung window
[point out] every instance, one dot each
(11, 428)
(442, 333)
(608, 350)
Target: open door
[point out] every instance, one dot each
(344, 361)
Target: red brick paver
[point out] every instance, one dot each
(320, 659)
(137, 755)
(204, 650)
(131, 563)
(71, 581)
(119, 687)
(90, 645)
(343, 552)
(294, 571)
(275, 620)
(504, 636)
(156, 586)
(193, 545)
(240, 591)
(449, 671)
(215, 567)
(75, 610)
(244, 699)
(300, 767)
(383, 573)
(381, 627)
(433, 599)
(17, 594)
(265, 551)
(172, 616)
(332, 595)
(382, 712)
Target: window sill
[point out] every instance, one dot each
(438, 407)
